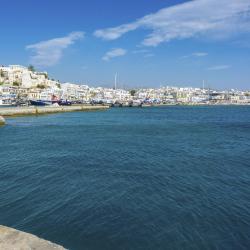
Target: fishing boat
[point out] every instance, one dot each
(40, 102)
(46, 100)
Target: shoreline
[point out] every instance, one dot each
(8, 112)
(195, 104)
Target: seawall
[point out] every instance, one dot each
(21, 111)
(11, 239)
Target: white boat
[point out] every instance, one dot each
(7, 99)
(6, 102)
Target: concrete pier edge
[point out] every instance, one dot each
(14, 239)
(23, 111)
(2, 121)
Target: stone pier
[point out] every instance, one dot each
(32, 110)
(11, 239)
(2, 121)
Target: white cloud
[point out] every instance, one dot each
(48, 53)
(195, 54)
(212, 18)
(219, 67)
(140, 51)
(114, 53)
(149, 55)
(114, 33)
(200, 54)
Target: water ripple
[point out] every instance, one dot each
(157, 178)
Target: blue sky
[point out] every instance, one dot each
(149, 43)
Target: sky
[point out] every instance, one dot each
(148, 43)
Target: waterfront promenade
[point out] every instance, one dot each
(21, 111)
(14, 239)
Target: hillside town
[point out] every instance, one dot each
(21, 85)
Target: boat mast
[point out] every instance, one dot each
(115, 80)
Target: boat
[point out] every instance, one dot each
(46, 100)
(41, 102)
(116, 104)
(64, 103)
(47, 103)
(7, 102)
(137, 103)
(7, 99)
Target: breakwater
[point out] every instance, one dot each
(14, 239)
(20, 111)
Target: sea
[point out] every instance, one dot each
(175, 177)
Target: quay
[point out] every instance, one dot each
(32, 110)
(15, 239)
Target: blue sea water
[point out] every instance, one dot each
(136, 178)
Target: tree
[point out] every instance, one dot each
(40, 86)
(17, 84)
(132, 92)
(31, 68)
(1, 73)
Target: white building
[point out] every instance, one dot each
(22, 76)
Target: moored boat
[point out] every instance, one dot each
(64, 103)
(41, 102)
(7, 102)
(47, 103)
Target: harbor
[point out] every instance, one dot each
(72, 177)
(125, 125)
(22, 86)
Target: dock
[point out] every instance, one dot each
(35, 110)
